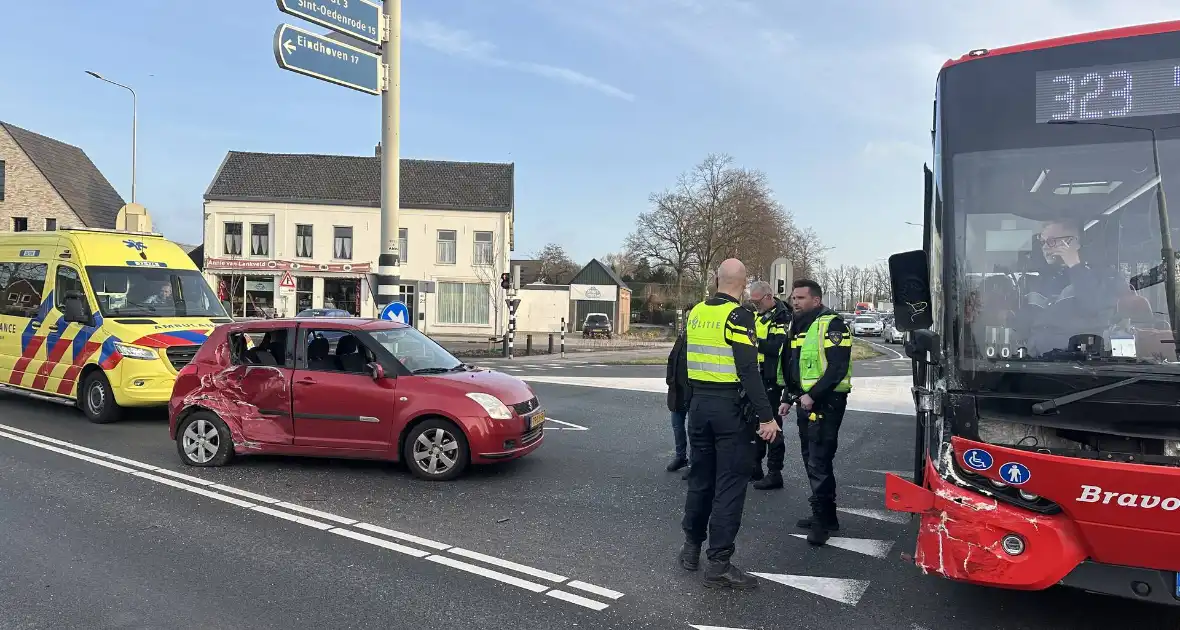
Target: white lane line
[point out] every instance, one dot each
(887, 516)
(577, 599)
(261, 498)
(294, 518)
(327, 516)
(43, 438)
(904, 474)
(597, 590)
(714, 627)
(488, 573)
(188, 478)
(377, 542)
(204, 490)
(393, 533)
(873, 489)
(882, 347)
(569, 426)
(866, 546)
(507, 564)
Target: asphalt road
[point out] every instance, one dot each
(591, 518)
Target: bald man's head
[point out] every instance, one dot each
(731, 278)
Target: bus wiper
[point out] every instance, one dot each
(1047, 407)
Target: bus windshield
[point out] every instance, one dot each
(153, 292)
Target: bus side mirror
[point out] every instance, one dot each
(76, 309)
(909, 277)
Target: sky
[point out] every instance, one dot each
(599, 103)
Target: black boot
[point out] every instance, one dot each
(772, 481)
(819, 534)
(832, 524)
(687, 470)
(690, 556)
(757, 475)
(677, 463)
(724, 575)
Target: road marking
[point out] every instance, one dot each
(597, 590)
(873, 489)
(148, 472)
(508, 564)
(888, 516)
(569, 426)
(884, 347)
(393, 533)
(866, 546)
(904, 474)
(840, 589)
(577, 599)
(488, 573)
(714, 627)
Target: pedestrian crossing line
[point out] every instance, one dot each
(842, 590)
(866, 546)
(887, 516)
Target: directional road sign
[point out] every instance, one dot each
(317, 56)
(357, 18)
(396, 312)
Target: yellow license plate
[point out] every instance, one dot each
(537, 420)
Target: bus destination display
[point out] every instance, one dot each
(1150, 88)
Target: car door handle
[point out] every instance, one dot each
(306, 381)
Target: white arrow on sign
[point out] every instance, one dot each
(289, 46)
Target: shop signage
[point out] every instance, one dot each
(237, 264)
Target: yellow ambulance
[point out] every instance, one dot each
(98, 318)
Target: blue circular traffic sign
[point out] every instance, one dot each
(977, 459)
(396, 312)
(1015, 474)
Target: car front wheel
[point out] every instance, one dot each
(436, 450)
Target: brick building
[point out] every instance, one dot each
(46, 184)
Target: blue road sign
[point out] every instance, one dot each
(357, 18)
(317, 56)
(1015, 474)
(396, 312)
(977, 459)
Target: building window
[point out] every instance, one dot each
(1, 180)
(446, 247)
(20, 224)
(259, 239)
(304, 288)
(50, 225)
(342, 243)
(464, 303)
(21, 285)
(403, 244)
(483, 250)
(233, 239)
(303, 244)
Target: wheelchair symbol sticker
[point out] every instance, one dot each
(977, 459)
(1015, 474)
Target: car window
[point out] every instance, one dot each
(269, 347)
(417, 352)
(866, 320)
(596, 319)
(336, 351)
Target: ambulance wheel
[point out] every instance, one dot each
(96, 399)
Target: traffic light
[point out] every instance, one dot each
(505, 281)
(782, 286)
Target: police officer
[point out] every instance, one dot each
(774, 318)
(722, 364)
(819, 374)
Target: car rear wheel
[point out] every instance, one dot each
(96, 400)
(436, 450)
(204, 440)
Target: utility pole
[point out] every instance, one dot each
(389, 262)
(134, 123)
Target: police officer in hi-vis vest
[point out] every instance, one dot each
(728, 412)
(774, 318)
(818, 372)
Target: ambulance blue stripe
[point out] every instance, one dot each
(190, 336)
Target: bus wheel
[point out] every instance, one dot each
(96, 399)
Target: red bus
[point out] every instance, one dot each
(1043, 319)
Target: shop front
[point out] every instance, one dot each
(280, 288)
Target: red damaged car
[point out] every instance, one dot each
(355, 388)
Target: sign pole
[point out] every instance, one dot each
(389, 263)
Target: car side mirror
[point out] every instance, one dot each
(76, 309)
(376, 371)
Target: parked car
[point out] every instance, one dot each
(892, 334)
(866, 325)
(597, 325)
(359, 388)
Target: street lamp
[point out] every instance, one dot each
(134, 124)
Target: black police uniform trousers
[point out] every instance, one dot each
(775, 452)
(722, 447)
(818, 439)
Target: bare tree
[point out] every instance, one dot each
(663, 236)
(623, 263)
(490, 274)
(839, 290)
(805, 251)
(556, 266)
